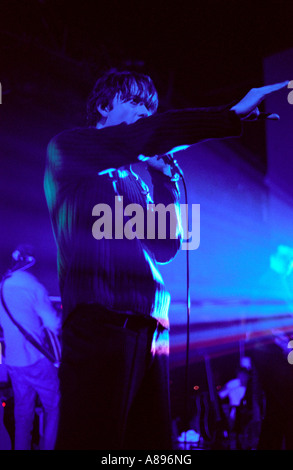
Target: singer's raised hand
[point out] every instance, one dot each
(247, 108)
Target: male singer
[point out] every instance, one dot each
(114, 372)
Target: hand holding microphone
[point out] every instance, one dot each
(167, 165)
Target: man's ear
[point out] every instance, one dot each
(103, 110)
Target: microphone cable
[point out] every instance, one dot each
(188, 308)
(177, 174)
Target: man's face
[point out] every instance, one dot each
(124, 111)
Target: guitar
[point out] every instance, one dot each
(52, 344)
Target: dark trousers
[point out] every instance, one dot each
(114, 383)
(39, 379)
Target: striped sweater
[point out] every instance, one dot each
(120, 274)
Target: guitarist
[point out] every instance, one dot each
(31, 373)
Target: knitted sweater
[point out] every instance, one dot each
(119, 273)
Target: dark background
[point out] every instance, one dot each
(198, 53)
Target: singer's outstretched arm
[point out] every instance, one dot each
(247, 108)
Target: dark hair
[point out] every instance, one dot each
(127, 85)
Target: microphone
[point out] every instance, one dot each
(176, 171)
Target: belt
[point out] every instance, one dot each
(131, 321)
